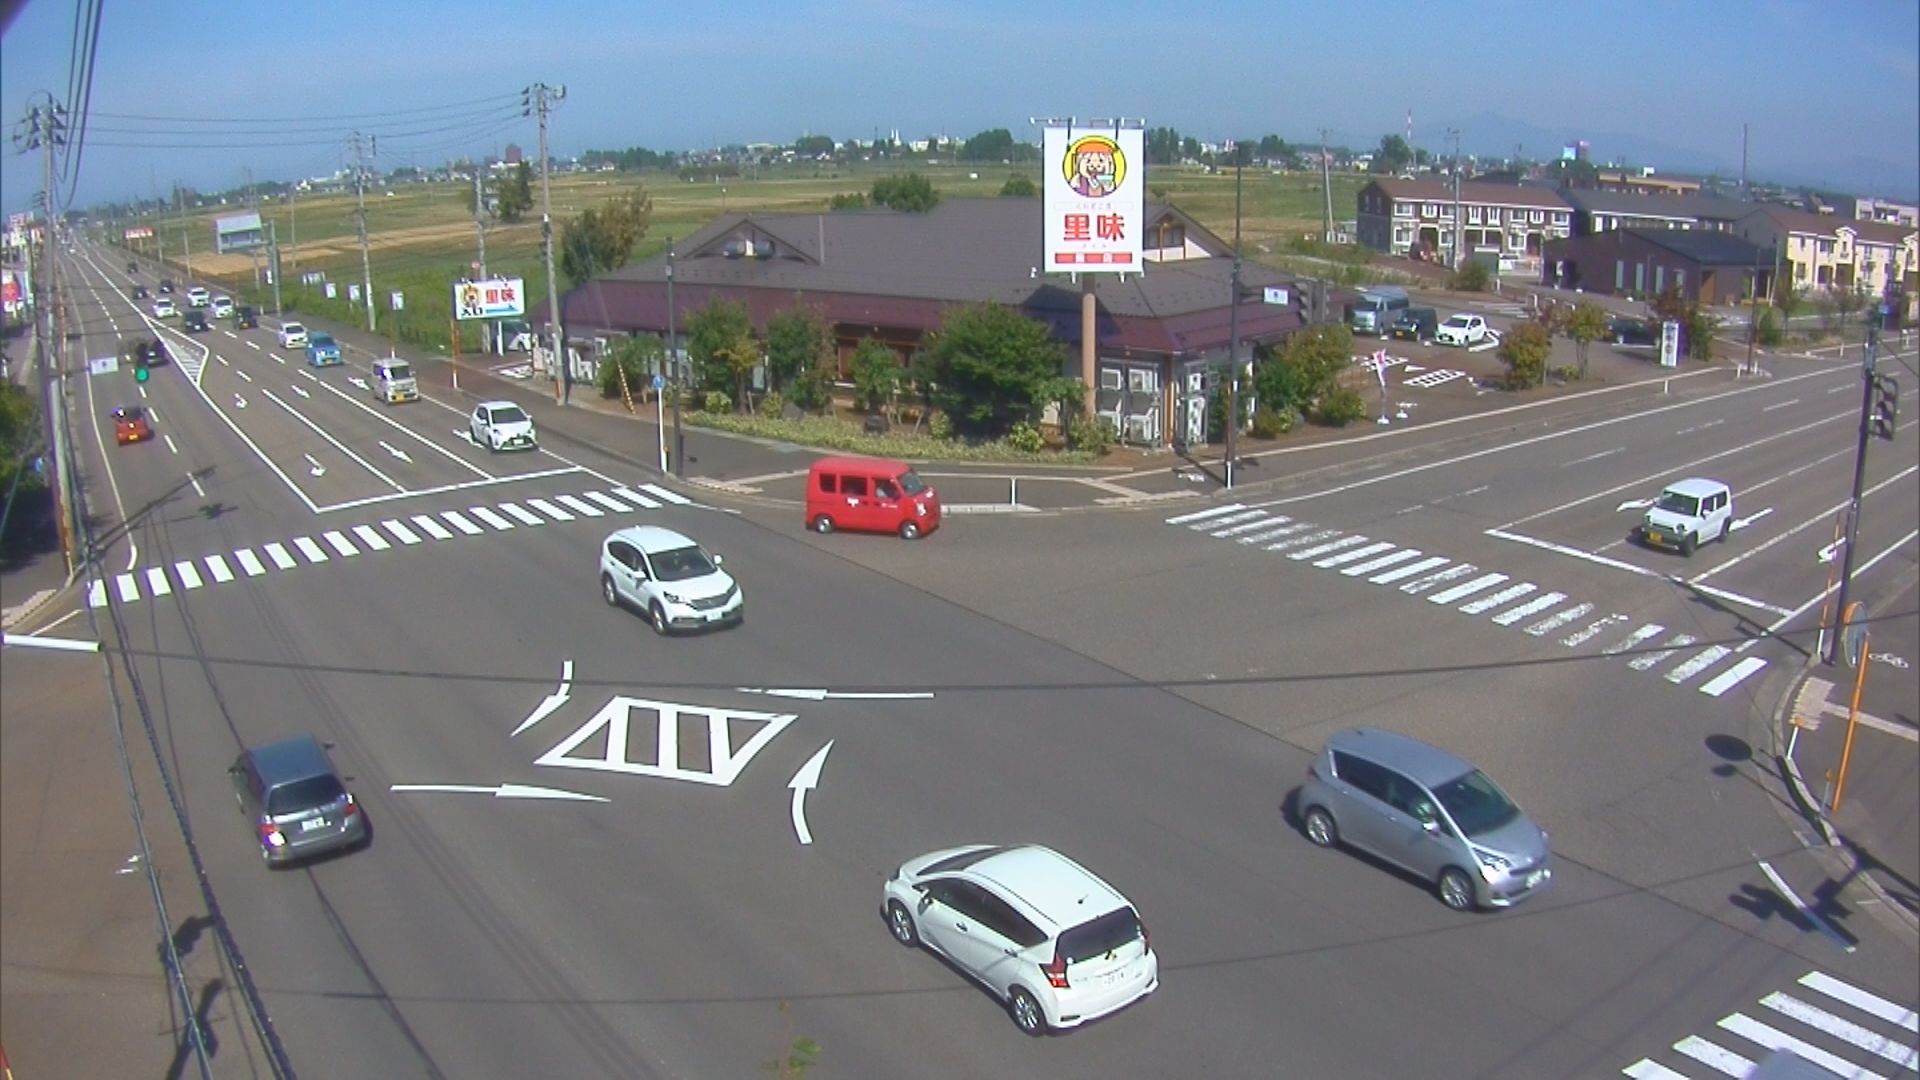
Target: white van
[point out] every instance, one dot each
(393, 381)
(1689, 513)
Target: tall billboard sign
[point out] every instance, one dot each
(1094, 195)
(489, 298)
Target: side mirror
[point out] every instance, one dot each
(1430, 825)
(718, 561)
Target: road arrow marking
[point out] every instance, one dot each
(357, 381)
(1741, 523)
(553, 701)
(503, 791)
(1414, 369)
(239, 402)
(298, 389)
(803, 781)
(1633, 504)
(317, 470)
(401, 454)
(1827, 553)
(242, 374)
(835, 695)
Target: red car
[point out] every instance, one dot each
(130, 425)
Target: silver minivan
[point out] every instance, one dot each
(1428, 812)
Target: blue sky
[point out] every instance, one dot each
(1831, 91)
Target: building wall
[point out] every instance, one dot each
(1620, 264)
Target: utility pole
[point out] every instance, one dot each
(1869, 387)
(186, 238)
(543, 98)
(273, 263)
(1459, 234)
(479, 222)
(45, 128)
(679, 375)
(1326, 187)
(1233, 330)
(293, 221)
(360, 220)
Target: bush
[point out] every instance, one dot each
(1525, 349)
(717, 402)
(1269, 423)
(1769, 331)
(811, 391)
(772, 405)
(1095, 436)
(1342, 406)
(1471, 277)
(1025, 438)
(940, 427)
(836, 434)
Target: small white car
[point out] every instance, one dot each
(670, 578)
(198, 297)
(221, 307)
(1058, 945)
(1689, 513)
(163, 308)
(501, 425)
(293, 336)
(1462, 330)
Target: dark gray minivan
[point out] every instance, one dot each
(297, 803)
(1427, 811)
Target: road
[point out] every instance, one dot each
(588, 855)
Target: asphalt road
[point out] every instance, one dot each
(1138, 692)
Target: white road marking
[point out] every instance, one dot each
(584, 509)
(1211, 511)
(804, 781)
(1269, 534)
(217, 566)
(1506, 595)
(1733, 676)
(645, 503)
(1354, 555)
(308, 548)
(503, 791)
(1650, 630)
(1388, 559)
(1322, 549)
(338, 541)
(1409, 570)
(1245, 515)
(188, 574)
(96, 594)
(1595, 457)
(281, 558)
(251, 562)
(1824, 517)
(459, 521)
(1845, 1030)
(1562, 549)
(157, 585)
(1531, 607)
(1439, 577)
(370, 538)
(1700, 427)
(666, 494)
(1715, 1057)
(1821, 596)
(1466, 589)
(1660, 656)
(1260, 521)
(1306, 538)
(609, 502)
(255, 345)
(549, 509)
(1698, 663)
(168, 439)
(1646, 1069)
(431, 527)
(524, 515)
(400, 531)
(1776, 405)
(1760, 605)
(1872, 1004)
(335, 443)
(552, 701)
(1774, 1039)
(487, 515)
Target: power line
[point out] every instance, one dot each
(310, 127)
(365, 119)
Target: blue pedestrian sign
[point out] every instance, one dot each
(659, 381)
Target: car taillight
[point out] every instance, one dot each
(1056, 972)
(1146, 936)
(352, 807)
(270, 835)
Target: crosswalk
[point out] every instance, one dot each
(1821, 1020)
(1473, 590)
(1414, 375)
(394, 533)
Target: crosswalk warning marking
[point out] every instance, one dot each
(1559, 619)
(666, 494)
(1386, 560)
(1732, 677)
(637, 499)
(608, 501)
(251, 562)
(1494, 600)
(1439, 577)
(1309, 538)
(1532, 607)
(1317, 550)
(584, 509)
(1650, 630)
(1593, 630)
(188, 574)
(1845, 1030)
(1409, 570)
(1871, 1004)
(1264, 535)
(1774, 1039)
(96, 594)
(1177, 519)
(1261, 522)
(1698, 663)
(1714, 1056)
(1230, 519)
(1352, 555)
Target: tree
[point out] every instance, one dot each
(798, 344)
(740, 355)
(20, 436)
(1393, 156)
(1524, 349)
(1189, 147)
(848, 200)
(993, 367)
(1586, 325)
(994, 145)
(1305, 369)
(1019, 186)
(876, 375)
(1787, 292)
(514, 197)
(1274, 148)
(1163, 146)
(912, 193)
(1701, 326)
(1471, 277)
(812, 146)
(634, 360)
(711, 331)
(599, 240)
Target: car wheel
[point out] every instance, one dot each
(823, 524)
(909, 531)
(609, 590)
(1687, 544)
(1026, 1012)
(658, 615)
(900, 923)
(1456, 891)
(1725, 528)
(1320, 829)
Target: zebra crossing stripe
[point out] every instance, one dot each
(1422, 584)
(1698, 663)
(1659, 656)
(666, 494)
(1579, 637)
(1646, 1069)
(1260, 522)
(157, 585)
(189, 577)
(129, 592)
(459, 521)
(1310, 538)
(1466, 589)
(524, 515)
(584, 509)
(310, 549)
(1871, 1004)
(400, 532)
(608, 501)
(1322, 549)
(431, 527)
(549, 509)
(1558, 619)
(251, 562)
(96, 594)
(1349, 556)
(1774, 1039)
(1531, 607)
(370, 538)
(1845, 1030)
(217, 566)
(1635, 638)
(1388, 559)
(1230, 519)
(638, 499)
(491, 518)
(1714, 1056)
(338, 541)
(1731, 677)
(1431, 379)
(1284, 530)
(1178, 519)
(1409, 570)
(1488, 603)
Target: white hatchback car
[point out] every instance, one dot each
(222, 307)
(1462, 330)
(670, 578)
(163, 308)
(198, 297)
(501, 425)
(293, 336)
(1058, 945)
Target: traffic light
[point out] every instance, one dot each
(140, 371)
(1886, 406)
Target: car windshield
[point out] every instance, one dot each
(1475, 804)
(680, 564)
(320, 340)
(1457, 321)
(1675, 503)
(911, 484)
(302, 795)
(1101, 936)
(294, 328)
(508, 415)
(399, 371)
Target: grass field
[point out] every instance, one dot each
(421, 236)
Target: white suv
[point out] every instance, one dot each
(1040, 931)
(1461, 330)
(198, 297)
(293, 336)
(669, 577)
(1689, 513)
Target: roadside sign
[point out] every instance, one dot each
(1275, 295)
(659, 381)
(1670, 344)
(103, 365)
(398, 300)
(333, 292)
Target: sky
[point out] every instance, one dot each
(1829, 90)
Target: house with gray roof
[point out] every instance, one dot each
(1599, 211)
(893, 276)
(1706, 266)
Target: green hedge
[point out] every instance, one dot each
(833, 434)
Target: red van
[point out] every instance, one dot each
(870, 495)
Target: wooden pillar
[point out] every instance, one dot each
(1089, 346)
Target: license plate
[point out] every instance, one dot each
(313, 823)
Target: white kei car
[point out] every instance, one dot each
(501, 425)
(1462, 330)
(293, 336)
(670, 578)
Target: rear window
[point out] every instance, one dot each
(314, 791)
(1101, 936)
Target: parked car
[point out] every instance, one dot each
(1461, 330)
(163, 308)
(221, 307)
(1687, 514)
(323, 351)
(194, 322)
(1373, 312)
(1427, 811)
(297, 802)
(1627, 330)
(1416, 324)
(1042, 933)
(246, 317)
(198, 297)
(501, 425)
(293, 336)
(130, 425)
(870, 495)
(669, 577)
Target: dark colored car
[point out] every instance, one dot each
(1416, 324)
(1626, 330)
(246, 317)
(297, 803)
(139, 292)
(166, 285)
(132, 267)
(154, 353)
(194, 321)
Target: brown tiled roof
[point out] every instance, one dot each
(1803, 221)
(1531, 197)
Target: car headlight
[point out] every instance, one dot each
(1492, 865)
(671, 598)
